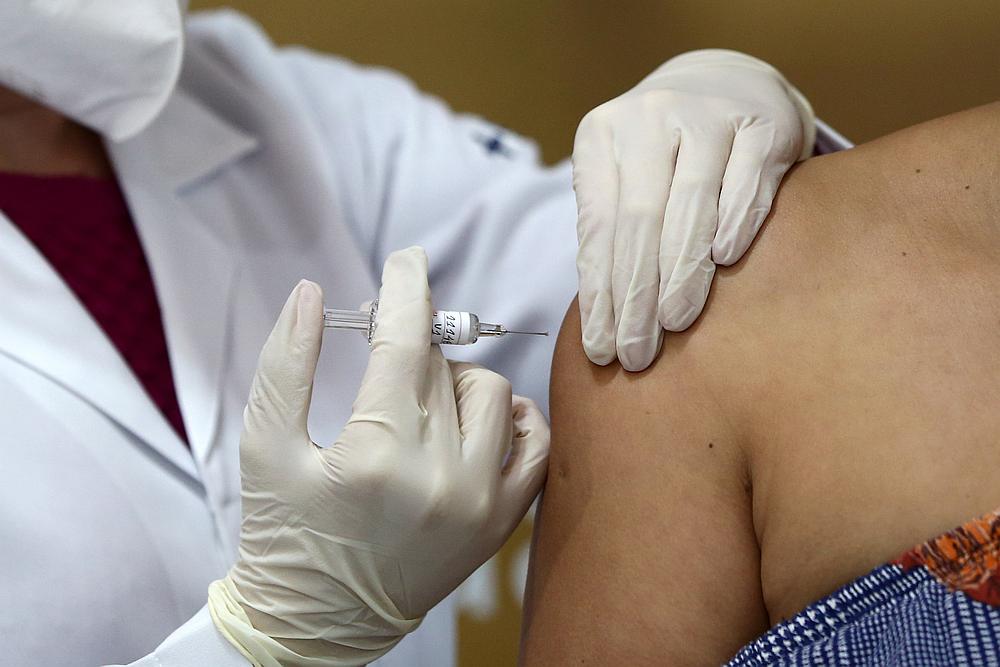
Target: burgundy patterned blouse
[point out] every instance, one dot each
(84, 229)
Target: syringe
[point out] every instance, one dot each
(448, 327)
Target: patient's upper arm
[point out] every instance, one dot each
(645, 551)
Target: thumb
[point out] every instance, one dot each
(278, 406)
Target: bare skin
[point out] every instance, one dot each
(836, 405)
(37, 140)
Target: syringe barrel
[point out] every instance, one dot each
(448, 327)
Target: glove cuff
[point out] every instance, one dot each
(227, 607)
(728, 58)
(232, 622)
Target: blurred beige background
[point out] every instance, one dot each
(868, 66)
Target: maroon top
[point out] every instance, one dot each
(83, 228)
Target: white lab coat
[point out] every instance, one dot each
(266, 166)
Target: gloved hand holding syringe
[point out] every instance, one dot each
(448, 327)
(344, 548)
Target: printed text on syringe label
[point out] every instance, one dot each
(451, 327)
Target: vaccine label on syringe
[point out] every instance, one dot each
(452, 327)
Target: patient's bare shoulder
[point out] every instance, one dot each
(645, 552)
(856, 348)
(834, 406)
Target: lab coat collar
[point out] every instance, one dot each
(45, 327)
(194, 272)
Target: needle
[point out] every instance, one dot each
(489, 329)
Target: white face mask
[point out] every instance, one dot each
(107, 64)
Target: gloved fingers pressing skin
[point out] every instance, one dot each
(645, 178)
(278, 407)
(484, 400)
(706, 97)
(524, 472)
(401, 346)
(595, 181)
(689, 227)
(758, 162)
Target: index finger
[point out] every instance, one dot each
(401, 343)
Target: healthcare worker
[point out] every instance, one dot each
(163, 186)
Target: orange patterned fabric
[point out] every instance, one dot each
(966, 559)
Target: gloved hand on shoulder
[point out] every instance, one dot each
(672, 178)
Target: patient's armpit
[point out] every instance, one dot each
(645, 550)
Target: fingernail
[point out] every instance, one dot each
(306, 293)
(681, 318)
(600, 357)
(632, 361)
(600, 347)
(640, 353)
(599, 353)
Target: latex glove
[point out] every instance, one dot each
(344, 549)
(672, 178)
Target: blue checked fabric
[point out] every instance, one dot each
(888, 617)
